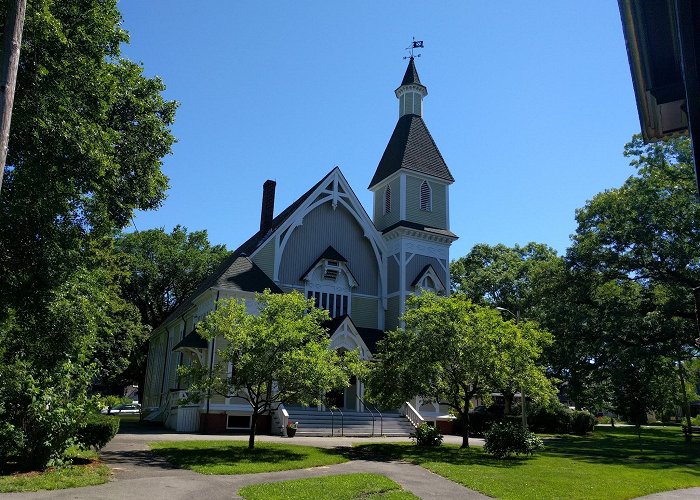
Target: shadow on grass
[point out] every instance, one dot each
(422, 455)
(658, 448)
(234, 453)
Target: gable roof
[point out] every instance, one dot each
(329, 253)
(422, 273)
(411, 147)
(411, 75)
(370, 336)
(237, 271)
(192, 340)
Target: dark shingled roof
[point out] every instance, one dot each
(370, 336)
(420, 227)
(238, 272)
(192, 340)
(411, 147)
(423, 271)
(329, 253)
(411, 76)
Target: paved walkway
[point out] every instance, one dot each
(138, 473)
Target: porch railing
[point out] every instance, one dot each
(408, 411)
(342, 421)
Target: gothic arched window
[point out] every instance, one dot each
(426, 197)
(387, 200)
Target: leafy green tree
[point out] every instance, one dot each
(279, 354)
(163, 270)
(512, 278)
(452, 351)
(636, 250)
(89, 132)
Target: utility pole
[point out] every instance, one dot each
(11, 43)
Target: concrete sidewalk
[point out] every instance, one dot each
(138, 473)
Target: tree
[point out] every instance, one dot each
(281, 353)
(636, 248)
(89, 132)
(512, 278)
(163, 270)
(451, 351)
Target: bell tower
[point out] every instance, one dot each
(411, 203)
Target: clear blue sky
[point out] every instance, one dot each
(530, 104)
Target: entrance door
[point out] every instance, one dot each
(335, 399)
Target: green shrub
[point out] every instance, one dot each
(582, 422)
(40, 412)
(427, 435)
(98, 431)
(508, 438)
(695, 420)
(604, 419)
(556, 419)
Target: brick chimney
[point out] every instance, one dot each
(268, 205)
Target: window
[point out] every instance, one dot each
(238, 421)
(426, 197)
(387, 200)
(335, 303)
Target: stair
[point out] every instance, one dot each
(325, 423)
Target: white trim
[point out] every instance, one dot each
(347, 337)
(402, 197)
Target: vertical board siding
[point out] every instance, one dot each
(417, 264)
(338, 228)
(438, 216)
(156, 358)
(392, 275)
(392, 313)
(265, 258)
(382, 220)
(364, 312)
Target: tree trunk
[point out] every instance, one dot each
(465, 429)
(12, 41)
(686, 405)
(253, 425)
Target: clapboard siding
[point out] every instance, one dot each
(435, 218)
(417, 263)
(322, 227)
(382, 220)
(364, 312)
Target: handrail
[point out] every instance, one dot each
(381, 417)
(412, 414)
(342, 420)
(370, 412)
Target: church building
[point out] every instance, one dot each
(325, 245)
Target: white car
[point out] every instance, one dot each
(123, 409)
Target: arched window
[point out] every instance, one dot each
(387, 200)
(426, 197)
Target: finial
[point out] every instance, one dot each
(416, 44)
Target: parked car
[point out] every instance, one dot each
(123, 409)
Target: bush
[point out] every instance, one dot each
(40, 412)
(556, 419)
(508, 438)
(582, 422)
(98, 431)
(427, 435)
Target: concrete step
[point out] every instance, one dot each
(324, 423)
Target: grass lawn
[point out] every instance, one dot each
(607, 464)
(85, 471)
(340, 487)
(233, 457)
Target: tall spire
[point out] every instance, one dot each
(411, 92)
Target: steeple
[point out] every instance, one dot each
(411, 92)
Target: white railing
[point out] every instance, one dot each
(280, 419)
(408, 411)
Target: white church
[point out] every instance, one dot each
(325, 245)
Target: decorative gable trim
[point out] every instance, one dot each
(425, 277)
(334, 189)
(346, 336)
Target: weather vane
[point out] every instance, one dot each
(416, 44)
